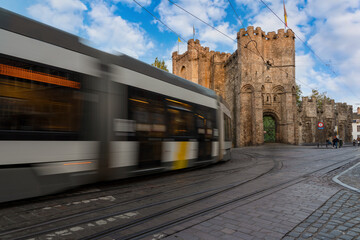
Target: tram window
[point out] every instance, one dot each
(206, 121)
(37, 98)
(200, 121)
(178, 105)
(147, 109)
(181, 123)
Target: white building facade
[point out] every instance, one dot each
(356, 129)
(356, 125)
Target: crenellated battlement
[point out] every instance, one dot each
(269, 36)
(329, 102)
(195, 45)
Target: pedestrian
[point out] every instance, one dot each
(358, 140)
(335, 142)
(354, 142)
(328, 142)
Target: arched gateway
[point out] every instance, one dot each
(271, 133)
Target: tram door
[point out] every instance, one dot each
(205, 135)
(148, 112)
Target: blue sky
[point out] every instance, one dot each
(330, 28)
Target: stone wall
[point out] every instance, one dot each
(232, 76)
(337, 118)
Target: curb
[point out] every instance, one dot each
(336, 179)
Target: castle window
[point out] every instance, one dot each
(183, 72)
(274, 98)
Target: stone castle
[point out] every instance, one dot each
(257, 81)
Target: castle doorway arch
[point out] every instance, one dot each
(271, 128)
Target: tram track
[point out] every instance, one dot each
(207, 193)
(174, 186)
(146, 232)
(130, 184)
(197, 197)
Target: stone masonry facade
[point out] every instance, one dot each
(201, 66)
(337, 119)
(258, 80)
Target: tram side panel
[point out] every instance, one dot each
(46, 115)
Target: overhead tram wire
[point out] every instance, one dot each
(201, 20)
(322, 61)
(279, 67)
(301, 40)
(297, 80)
(298, 38)
(248, 34)
(258, 54)
(194, 17)
(210, 26)
(160, 21)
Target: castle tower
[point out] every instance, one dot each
(258, 82)
(201, 66)
(261, 79)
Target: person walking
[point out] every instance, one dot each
(335, 142)
(328, 142)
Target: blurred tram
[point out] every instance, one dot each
(72, 115)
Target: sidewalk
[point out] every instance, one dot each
(339, 216)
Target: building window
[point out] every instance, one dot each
(358, 128)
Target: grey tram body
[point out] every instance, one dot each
(72, 115)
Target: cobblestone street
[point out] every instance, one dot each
(337, 218)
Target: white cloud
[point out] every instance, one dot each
(112, 33)
(297, 19)
(64, 14)
(67, 5)
(335, 39)
(228, 37)
(212, 12)
(254, 6)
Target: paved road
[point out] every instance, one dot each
(272, 191)
(316, 208)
